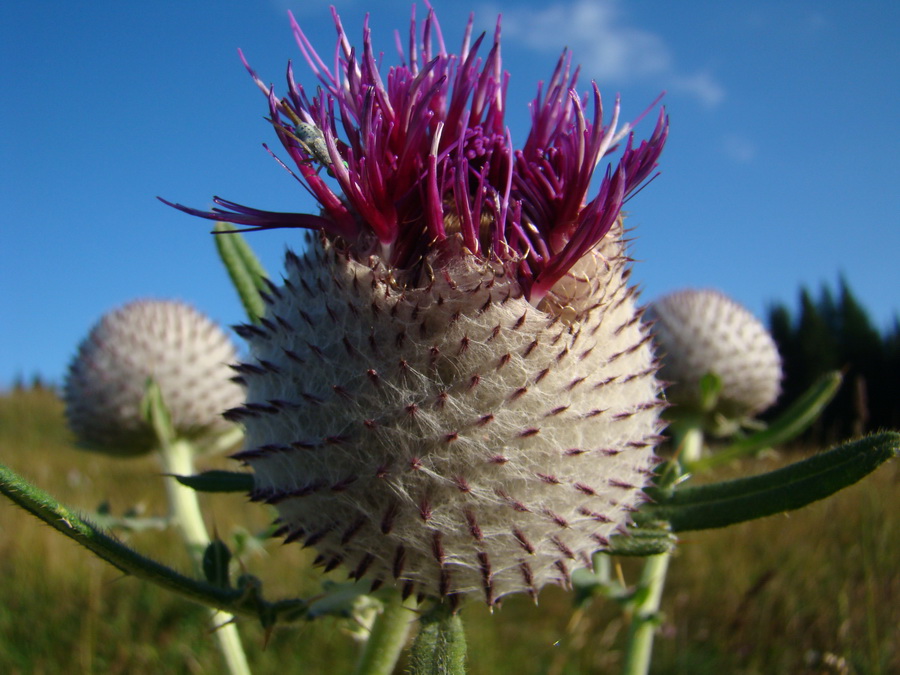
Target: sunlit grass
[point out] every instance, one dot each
(759, 598)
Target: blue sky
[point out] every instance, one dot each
(781, 168)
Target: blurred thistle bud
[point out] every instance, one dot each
(452, 391)
(703, 332)
(185, 353)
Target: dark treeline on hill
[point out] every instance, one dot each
(834, 332)
(35, 383)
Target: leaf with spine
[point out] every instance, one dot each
(243, 267)
(790, 424)
(792, 487)
(216, 559)
(218, 481)
(234, 601)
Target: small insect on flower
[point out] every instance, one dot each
(311, 140)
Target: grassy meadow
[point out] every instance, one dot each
(815, 591)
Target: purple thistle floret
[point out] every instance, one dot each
(422, 157)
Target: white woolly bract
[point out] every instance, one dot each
(451, 438)
(184, 352)
(704, 331)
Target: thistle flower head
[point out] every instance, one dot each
(421, 157)
(452, 391)
(186, 354)
(704, 331)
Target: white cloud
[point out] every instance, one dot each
(701, 85)
(738, 148)
(607, 47)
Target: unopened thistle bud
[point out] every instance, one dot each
(452, 391)
(703, 331)
(186, 354)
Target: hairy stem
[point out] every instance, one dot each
(177, 460)
(645, 619)
(387, 638)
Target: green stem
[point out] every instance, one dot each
(645, 620)
(387, 638)
(177, 460)
(602, 563)
(690, 444)
(440, 646)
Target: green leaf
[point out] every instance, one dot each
(726, 503)
(156, 414)
(790, 424)
(244, 268)
(339, 598)
(710, 387)
(218, 481)
(440, 646)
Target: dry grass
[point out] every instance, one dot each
(759, 598)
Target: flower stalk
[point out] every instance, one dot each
(645, 617)
(387, 637)
(440, 646)
(177, 459)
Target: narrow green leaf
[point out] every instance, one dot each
(710, 387)
(791, 423)
(440, 646)
(726, 503)
(218, 481)
(243, 268)
(156, 414)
